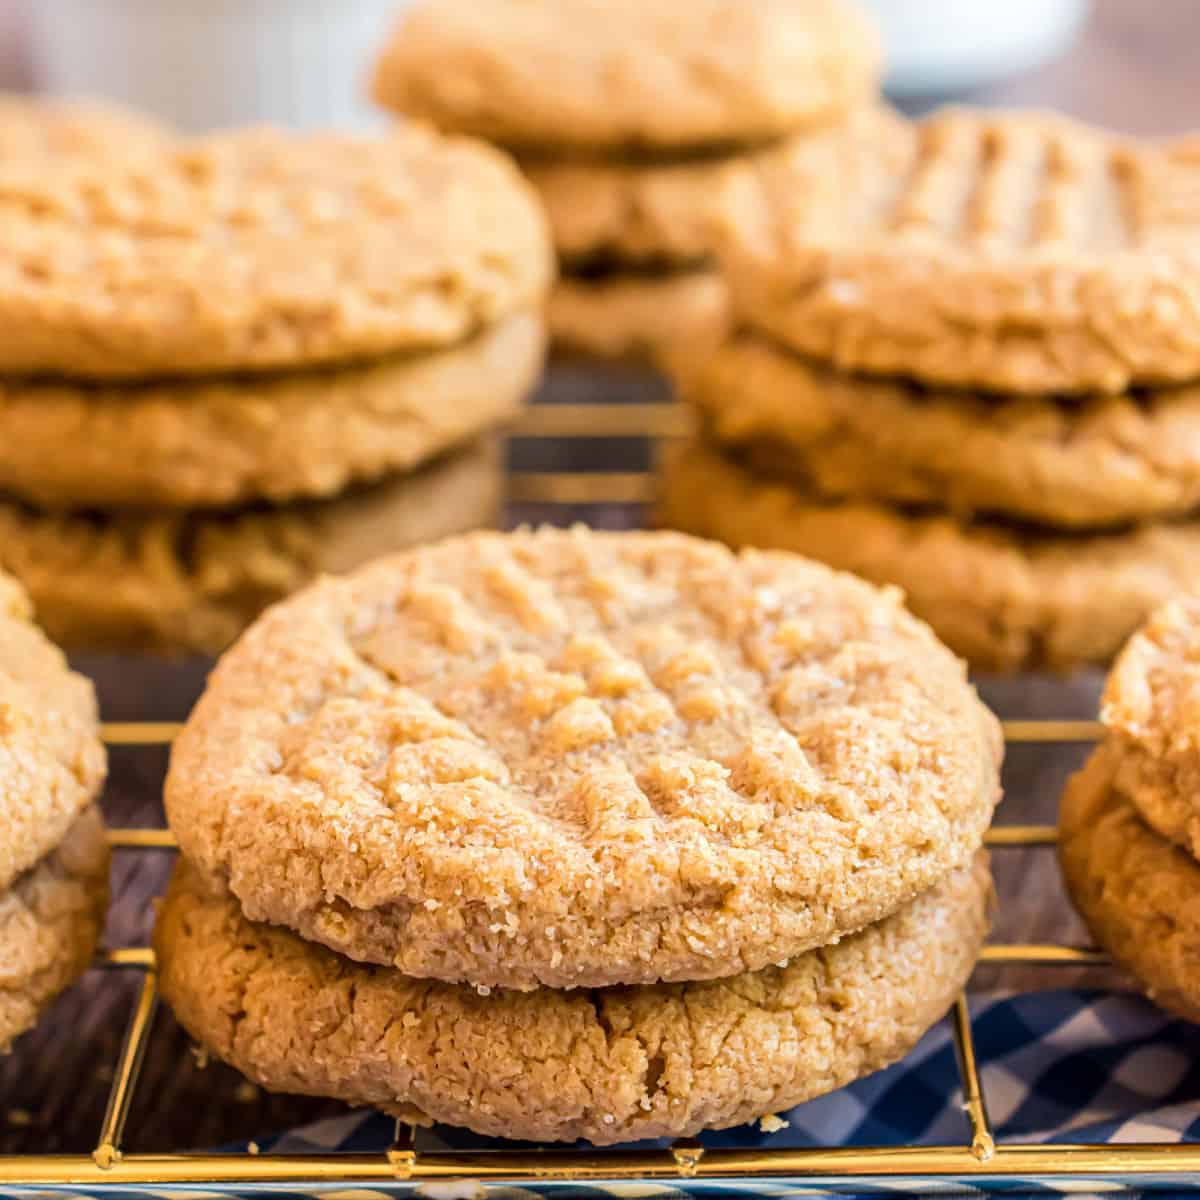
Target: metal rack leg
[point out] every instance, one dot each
(983, 1142)
(129, 1067)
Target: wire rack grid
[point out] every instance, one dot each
(980, 1160)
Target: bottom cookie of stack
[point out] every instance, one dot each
(1002, 596)
(193, 580)
(609, 1065)
(51, 919)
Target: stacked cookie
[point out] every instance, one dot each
(211, 348)
(626, 115)
(566, 834)
(53, 853)
(963, 365)
(1130, 821)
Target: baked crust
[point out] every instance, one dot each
(1003, 597)
(575, 758)
(610, 1066)
(1015, 252)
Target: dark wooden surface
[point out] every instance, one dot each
(1134, 69)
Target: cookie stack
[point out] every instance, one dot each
(1130, 821)
(211, 348)
(53, 853)
(965, 364)
(626, 114)
(567, 834)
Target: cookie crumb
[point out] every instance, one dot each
(772, 1123)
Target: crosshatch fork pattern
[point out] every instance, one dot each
(980, 1160)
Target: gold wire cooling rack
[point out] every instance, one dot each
(978, 1161)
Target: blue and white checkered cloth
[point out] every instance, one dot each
(1079, 1066)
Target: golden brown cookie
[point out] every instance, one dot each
(213, 443)
(611, 1065)
(1019, 252)
(633, 212)
(51, 919)
(576, 758)
(52, 763)
(627, 73)
(193, 581)
(1138, 892)
(1003, 597)
(1095, 462)
(261, 249)
(627, 316)
(1152, 711)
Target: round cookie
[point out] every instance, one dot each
(261, 249)
(1015, 252)
(52, 763)
(1004, 598)
(193, 581)
(576, 758)
(633, 213)
(1151, 708)
(610, 1066)
(625, 316)
(51, 919)
(1138, 892)
(608, 77)
(208, 443)
(1101, 461)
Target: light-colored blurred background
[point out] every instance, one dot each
(206, 63)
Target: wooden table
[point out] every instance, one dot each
(1135, 69)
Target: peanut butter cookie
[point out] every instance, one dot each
(632, 213)
(1004, 597)
(52, 763)
(192, 581)
(261, 249)
(1136, 891)
(217, 443)
(1019, 252)
(51, 919)
(611, 1065)
(1079, 463)
(634, 317)
(1152, 711)
(576, 758)
(627, 73)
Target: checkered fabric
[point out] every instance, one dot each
(1078, 1066)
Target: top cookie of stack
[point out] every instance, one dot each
(625, 114)
(950, 371)
(249, 317)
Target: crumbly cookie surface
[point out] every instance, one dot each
(51, 919)
(52, 763)
(1137, 891)
(1070, 464)
(1004, 598)
(608, 1065)
(634, 317)
(627, 73)
(1018, 252)
(573, 758)
(1151, 709)
(182, 581)
(38, 127)
(201, 443)
(261, 249)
